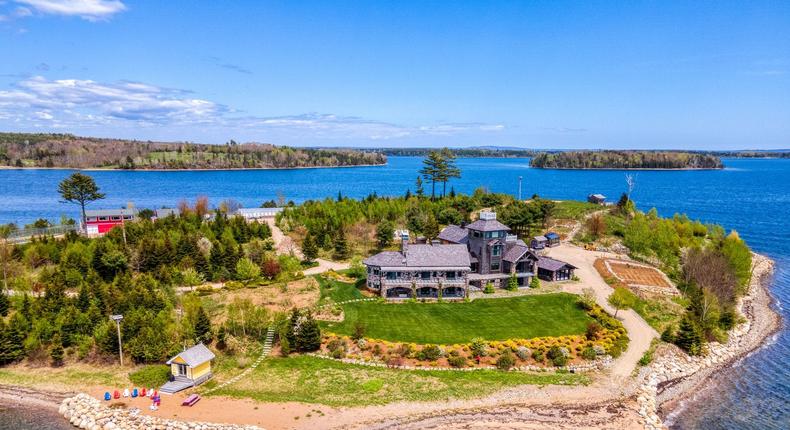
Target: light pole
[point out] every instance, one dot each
(519, 187)
(117, 319)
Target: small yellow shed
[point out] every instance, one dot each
(193, 364)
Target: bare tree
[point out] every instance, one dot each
(630, 181)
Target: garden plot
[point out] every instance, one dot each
(640, 276)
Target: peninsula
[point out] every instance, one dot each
(50, 150)
(646, 160)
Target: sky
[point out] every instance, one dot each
(556, 74)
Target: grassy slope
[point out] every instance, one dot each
(314, 380)
(449, 323)
(573, 209)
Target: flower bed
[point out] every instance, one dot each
(605, 336)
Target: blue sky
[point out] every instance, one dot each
(688, 75)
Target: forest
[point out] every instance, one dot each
(626, 160)
(69, 151)
(57, 293)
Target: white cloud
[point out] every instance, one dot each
(82, 104)
(92, 10)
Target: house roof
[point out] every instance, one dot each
(540, 238)
(553, 265)
(455, 234)
(515, 253)
(598, 196)
(439, 256)
(164, 212)
(552, 235)
(487, 225)
(194, 356)
(110, 212)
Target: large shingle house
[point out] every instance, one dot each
(463, 256)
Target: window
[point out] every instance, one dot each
(103, 218)
(496, 250)
(495, 266)
(475, 233)
(127, 217)
(392, 275)
(376, 271)
(450, 275)
(425, 275)
(116, 218)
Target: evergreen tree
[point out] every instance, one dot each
(689, 336)
(534, 283)
(83, 298)
(291, 328)
(15, 338)
(384, 232)
(448, 169)
(433, 166)
(308, 338)
(419, 191)
(80, 189)
(431, 228)
(56, 353)
(309, 248)
(202, 326)
(512, 282)
(341, 246)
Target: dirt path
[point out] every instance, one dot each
(285, 245)
(639, 332)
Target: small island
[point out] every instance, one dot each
(51, 150)
(644, 160)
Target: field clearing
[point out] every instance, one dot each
(315, 380)
(520, 317)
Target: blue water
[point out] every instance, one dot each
(751, 196)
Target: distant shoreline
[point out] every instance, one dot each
(628, 168)
(110, 169)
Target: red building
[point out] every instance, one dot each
(99, 222)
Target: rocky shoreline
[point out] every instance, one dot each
(675, 377)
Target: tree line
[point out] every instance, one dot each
(626, 160)
(69, 151)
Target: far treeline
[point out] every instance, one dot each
(69, 151)
(626, 160)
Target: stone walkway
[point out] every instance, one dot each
(267, 348)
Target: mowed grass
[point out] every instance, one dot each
(315, 380)
(450, 323)
(69, 377)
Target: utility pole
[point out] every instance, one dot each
(519, 187)
(117, 319)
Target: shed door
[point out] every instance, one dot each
(182, 370)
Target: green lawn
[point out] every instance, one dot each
(314, 380)
(573, 209)
(337, 291)
(449, 323)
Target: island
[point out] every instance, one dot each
(645, 160)
(51, 150)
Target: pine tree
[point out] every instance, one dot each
(512, 282)
(419, 191)
(341, 246)
(291, 328)
(384, 233)
(689, 336)
(202, 326)
(3, 304)
(83, 298)
(431, 228)
(56, 353)
(309, 248)
(308, 337)
(15, 338)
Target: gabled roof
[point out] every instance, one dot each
(517, 252)
(540, 238)
(487, 225)
(455, 234)
(598, 196)
(194, 356)
(552, 265)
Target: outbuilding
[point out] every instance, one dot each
(598, 199)
(550, 269)
(552, 239)
(189, 368)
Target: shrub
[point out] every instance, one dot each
(233, 285)
(456, 361)
(523, 352)
(588, 353)
(599, 350)
(506, 360)
(478, 347)
(668, 335)
(534, 283)
(338, 353)
(593, 331)
(537, 356)
(429, 353)
(394, 361)
(560, 360)
(336, 344)
(362, 343)
(153, 375)
(406, 350)
(489, 288)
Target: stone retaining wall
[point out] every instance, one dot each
(86, 412)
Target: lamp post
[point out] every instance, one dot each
(519, 187)
(117, 319)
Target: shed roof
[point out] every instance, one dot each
(553, 265)
(194, 356)
(110, 212)
(540, 238)
(552, 235)
(598, 196)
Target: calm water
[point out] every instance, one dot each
(751, 196)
